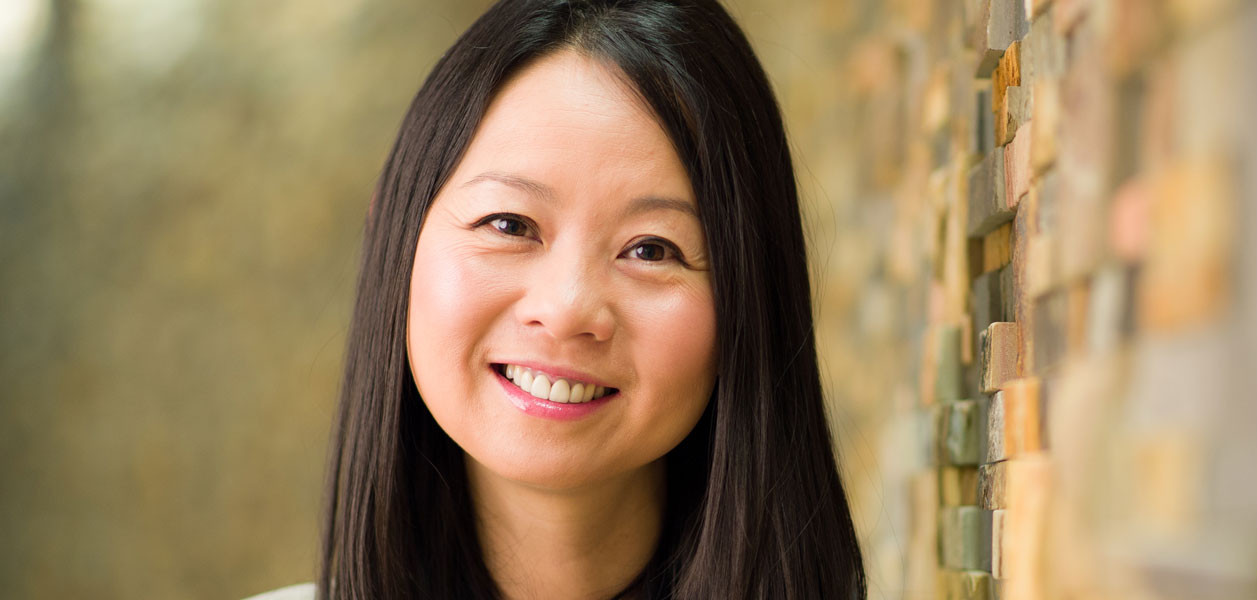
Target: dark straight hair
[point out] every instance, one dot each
(755, 507)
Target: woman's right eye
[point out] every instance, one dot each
(507, 224)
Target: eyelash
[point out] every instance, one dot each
(530, 227)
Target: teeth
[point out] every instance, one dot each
(540, 387)
(561, 390)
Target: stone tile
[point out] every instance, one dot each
(1037, 9)
(966, 341)
(976, 250)
(956, 281)
(1066, 14)
(1042, 273)
(1193, 15)
(1025, 526)
(1007, 73)
(983, 124)
(928, 376)
(997, 248)
(922, 551)
(1136, 30)
(965, 585)
(935, 102)
(1023, 423)
(1043, 52)
(1129, 220)
(997, 543)
(1022, 299)
(1017, 168)
(1186, 279)
(1077, 316)
(1046, 188)
(1169, 368)
(993, 297)
(1000, 23)
(999, 356)
(994, 448)
(949, 381)
(991, 486)
(958, 486)
(962, 533)
(1111, 314)
(1088, 493)
(1040, 264)
(988, 208)
(938, 415)
(1017, 111)
(963, 429)
(1050, 314)
(1045, 123)
(1158, 143)
(902, 447)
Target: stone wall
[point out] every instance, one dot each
(1035, 295)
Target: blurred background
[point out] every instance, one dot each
(1033, 283)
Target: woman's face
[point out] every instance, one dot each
(564, 254)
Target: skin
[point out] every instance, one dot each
(595, 262)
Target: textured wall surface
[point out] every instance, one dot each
(1036, 286)
(1036, 298)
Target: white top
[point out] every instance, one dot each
(301, 591)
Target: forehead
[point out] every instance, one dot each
(573, 121)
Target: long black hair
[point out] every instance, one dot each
(755, 507)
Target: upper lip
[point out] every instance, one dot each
(556, 371)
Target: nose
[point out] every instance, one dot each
(564, 296)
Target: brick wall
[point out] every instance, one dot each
(1035, 292)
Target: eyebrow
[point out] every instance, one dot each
(641, 204)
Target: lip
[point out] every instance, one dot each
(534, 406)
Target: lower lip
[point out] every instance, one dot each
(534, 406)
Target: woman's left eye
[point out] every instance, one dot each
(654, 250)
(510, 226)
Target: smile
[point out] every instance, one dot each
(549, 387)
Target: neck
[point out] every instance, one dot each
(582, 543)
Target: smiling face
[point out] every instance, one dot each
(564, 253)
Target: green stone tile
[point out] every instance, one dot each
(963, 432)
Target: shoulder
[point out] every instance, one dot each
(301, 591)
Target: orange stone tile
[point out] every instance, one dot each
(1017, 168)
(1129, 220)
(1007, 73)
(1022, 417)
(1029, 481)
(997, 248)
(1185, 280)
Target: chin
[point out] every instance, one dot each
(548, 471)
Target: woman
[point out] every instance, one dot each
(581, 362)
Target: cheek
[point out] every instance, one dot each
(676, 348)
(454, 300)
